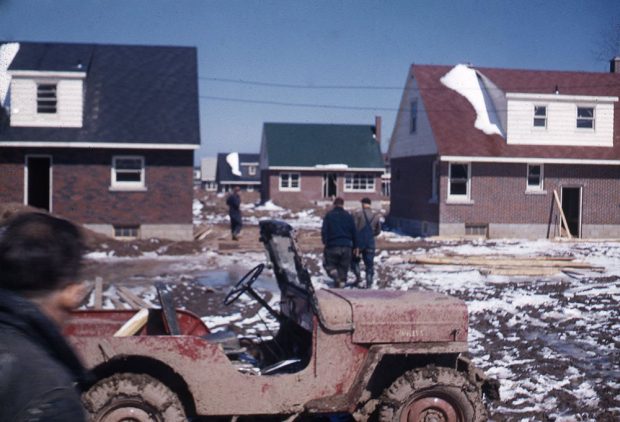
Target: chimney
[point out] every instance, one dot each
(614, 65)
(378, 129)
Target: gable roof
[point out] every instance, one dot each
(311, 145)
(452, 117)
(132, 94)
(225, 174)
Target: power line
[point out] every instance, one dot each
(305, 105)
(385, 87)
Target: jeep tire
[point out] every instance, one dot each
(132, 397)
(432, 394)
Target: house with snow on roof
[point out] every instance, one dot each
(507, 153)
(237, 169)
(103, 135)
(304, 163)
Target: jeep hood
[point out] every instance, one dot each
(381, 316)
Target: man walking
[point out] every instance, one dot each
(368, 226)
(338, 236)
(234, 212)
(40, 257)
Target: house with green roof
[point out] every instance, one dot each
(305, 162)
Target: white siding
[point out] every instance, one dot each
(404, 143)
(561, 121)
(69, 107)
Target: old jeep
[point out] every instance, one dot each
(370, 354)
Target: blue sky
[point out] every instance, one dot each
(344, 61)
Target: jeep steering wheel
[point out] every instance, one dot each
(244, 285)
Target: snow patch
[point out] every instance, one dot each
(233, 161)
(464, 80)
(7, 54)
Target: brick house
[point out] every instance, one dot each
(485, 151)
(302, 163)
(103, 135)
(237, 169)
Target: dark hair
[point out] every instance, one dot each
(39, 253)
(366, 201)
(339, 202)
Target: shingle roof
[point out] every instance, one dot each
(133, 94)
(224, 172)
(308, 145)
(452, 117)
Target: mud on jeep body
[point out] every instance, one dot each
(374, 354)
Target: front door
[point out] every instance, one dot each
(39, 182)
(330, 185)
(571, 206)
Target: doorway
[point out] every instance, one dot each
(38, 182)
(571, 206)
(330, 186)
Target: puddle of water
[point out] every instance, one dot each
(226, 279)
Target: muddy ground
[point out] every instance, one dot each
(552, 368)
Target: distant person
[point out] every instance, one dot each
(234, 212)
(40, 257)
(338, 236)
(368, 226)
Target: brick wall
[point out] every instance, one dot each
(498, 193)
(412, 189)
(81, 181)
(312, 189)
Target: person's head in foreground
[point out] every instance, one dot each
(40, 260)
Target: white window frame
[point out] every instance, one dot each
(413, 116)
(369, 182)
(592, 119)
(127, 185)
(49, 103)
(537, 117)
(126, 232)
(288, 178)
(459, 197)
(534, 188)
(252, 170)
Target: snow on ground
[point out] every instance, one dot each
(551, 341)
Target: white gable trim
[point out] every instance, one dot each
(46, 74)
(99, 145)
(529, 160)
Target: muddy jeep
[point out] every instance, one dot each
(373, 354)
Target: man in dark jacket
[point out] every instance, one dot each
(368, 226)
(234, 212)
(40, 257)
(338, 236)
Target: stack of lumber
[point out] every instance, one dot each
(509, 265)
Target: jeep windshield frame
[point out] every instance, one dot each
(297, 294)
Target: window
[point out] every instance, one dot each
(534, 177)
(540, 116)
(290, 181)
(252, 170)
(458, 186)
(46, 98)
(477, 229)
(414, 116)
(585, 117)
(128, 172)
(359, 182)
(126, 232)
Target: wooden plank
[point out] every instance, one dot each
(98, 293)
(563, 217)
(133, 324)
(127, 299)
(133, 297)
